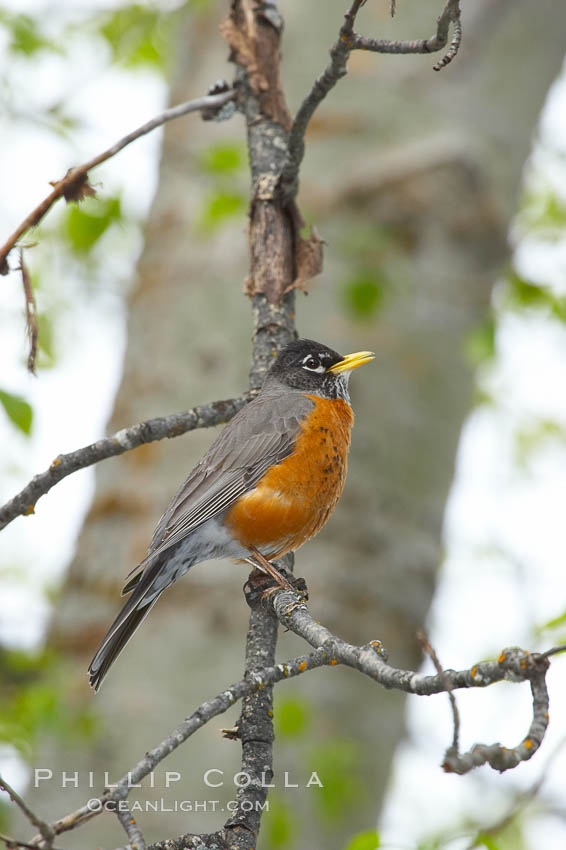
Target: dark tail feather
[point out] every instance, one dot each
(129, 586)
(134, 611)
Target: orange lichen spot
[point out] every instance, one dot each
(528, 743)
(270, 713)
(333, 662)
(501, 658)
(474, 672)
(302, 666)
(29, 510)
(546, 715)
(523, 663)
(56, 462)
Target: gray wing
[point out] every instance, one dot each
(262, 434)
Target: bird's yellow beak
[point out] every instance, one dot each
(352, 361)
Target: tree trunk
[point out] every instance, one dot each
(415, 175)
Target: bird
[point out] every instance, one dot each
(267, 484)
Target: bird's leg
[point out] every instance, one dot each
(264, 565)
(259, 585)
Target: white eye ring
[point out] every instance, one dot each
(319, 369)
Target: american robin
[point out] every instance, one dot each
(267, 484)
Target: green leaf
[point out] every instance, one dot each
(534, 436)
(480, 343)
(553, 624)
(278, 827)
(546, 212)
(25, 35)
(222, 158)
(137, 35)
(219, 207)
(18, 411)
(292, 718)
(364, 841)
(363, 294)
(45, 337)
(85, 224)
(337, 765)
(525, 293)
(488, 842)
(31, 705)
(482, 396)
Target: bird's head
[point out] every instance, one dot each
(311, 367)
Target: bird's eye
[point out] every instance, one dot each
(313, 364)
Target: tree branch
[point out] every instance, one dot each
(32, 326)
(12, 843)
(429, 649)
(513, 664)
(450, 15)
(347, 41)
(46, 831)
(255, 730)
(134, 833)
(252, 683)
(202, 416)
(74, 184)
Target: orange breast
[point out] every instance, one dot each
(295, 498)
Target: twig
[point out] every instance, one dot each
(202, 416)
(74, 186)
(450, 15)
(554, 651)
(428, 648)
(334, 71)
(32, 327)
(513, 664)
(46, 831)
(347, 41)
(251, 683)
(454, 44)
(134, 833)
(14, 842)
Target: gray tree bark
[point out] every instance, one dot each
(417, 175)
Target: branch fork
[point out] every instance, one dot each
(255, 729)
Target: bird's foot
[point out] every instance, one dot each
(259, 587)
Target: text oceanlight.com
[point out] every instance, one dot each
(161, 805)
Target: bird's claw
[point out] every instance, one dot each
(259, 587)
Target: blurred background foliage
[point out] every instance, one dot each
(31, 703)
(138, 37)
